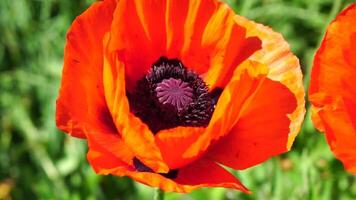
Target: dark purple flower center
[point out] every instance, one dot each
(170, 95)
(174, 92)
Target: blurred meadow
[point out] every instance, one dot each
(39, 162)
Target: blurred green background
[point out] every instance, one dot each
(39, 162)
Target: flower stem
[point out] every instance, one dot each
(158, 195)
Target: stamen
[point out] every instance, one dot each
(215, 95)
(170, 95)
(140, 167)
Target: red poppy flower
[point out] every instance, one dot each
(333, 87)
(164, 90)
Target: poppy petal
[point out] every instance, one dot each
(81, 94)
(206, 173)
(252, 90)
(104, 161)
(236, 52)
(203, 173)
(256, 136)
(247, 82)
(182, 138)
(186, 26)
(199, 33)
(246, 79)
(174, 142)
(140, 40)
(110, 142)
(340, 131)
(176, 16)
(283, 67)
(333, 88)
(134, 132)
(214, 43)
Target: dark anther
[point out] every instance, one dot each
(215, 95)
(172, 174)
(140, 167)
(170, 95)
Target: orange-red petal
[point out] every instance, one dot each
(206, 173)
(214, 43)
(283, 67)
(202, 173)
(102, 159)
(201, 33)
(262, 128)
(238, 103)
(139, 36)
(81, 95)
(81, 107)
(244, 83)
(110, 142)
(333, 87)
(174, 142)
(133, 131)
(341, 132)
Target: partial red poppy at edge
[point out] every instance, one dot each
(167, 91)
(333, 87)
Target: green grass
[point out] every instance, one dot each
(39, 162)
